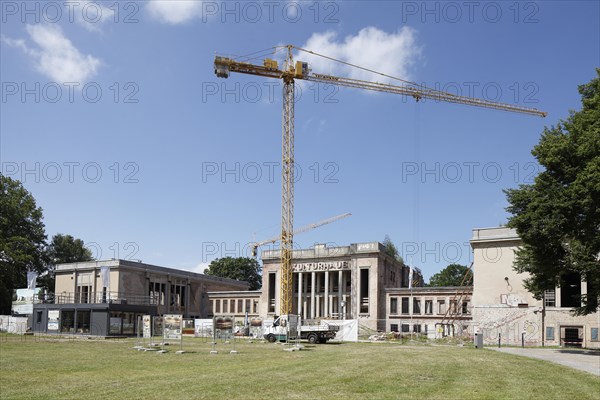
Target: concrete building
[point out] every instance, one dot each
(346, 282)
(432, 311)
(107, 297)
(234, 303)
(502, 306)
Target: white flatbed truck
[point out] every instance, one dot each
(288, 327)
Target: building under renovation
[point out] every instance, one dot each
(108, 297)
(503, 309)
(346, 282)
(357, 282)
(435, 312)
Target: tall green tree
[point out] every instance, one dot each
(63, 249)
(558, 216)
(22, 239)
(240, 268)
(453, 275)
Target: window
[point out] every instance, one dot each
(157, 293)
(453, 307)
(405, 305)
(38, 317)
(364, 290)
(441, 307)
(465, 307)
(417, 328)
(594, 335)
(128, 321)
(570, 290)
(217, 306)
(549, 333)
(272, 292)
(405, 328)
(178, 295)
(392, 276)
(83, 321)
(550, 298)
(394, 327)
(240, 307)
(416, 306)
(429, 307)
(83, 294)
(67, 321)
(394, 305)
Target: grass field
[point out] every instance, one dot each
(34, 368)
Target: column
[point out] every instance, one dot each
(312, 294)
(326, 305)
(318, 306)
(318, 295)
(94, 297)
(305, 299)
(340, 291)
(188, 290)
(300, 293)
(74, 294)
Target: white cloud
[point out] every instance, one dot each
(55, 56)
(19, 43)
(390, 53)
(92, 14)
(174, 11)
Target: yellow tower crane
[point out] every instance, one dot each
(300, 70)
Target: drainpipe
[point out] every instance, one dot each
(543, 317)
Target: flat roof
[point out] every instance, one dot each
(430, 289)
(494, 234)
(117, 263)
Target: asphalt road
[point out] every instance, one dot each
(584, 360)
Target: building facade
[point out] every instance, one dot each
(232, 303)
(345, 282)
(108, 297)
(503, 309)
(434, 312)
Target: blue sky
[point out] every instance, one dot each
(113, 118)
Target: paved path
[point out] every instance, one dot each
(585, 360)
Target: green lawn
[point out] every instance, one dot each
(33, 368)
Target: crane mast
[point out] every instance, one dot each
(287, 190)
(299, 70)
